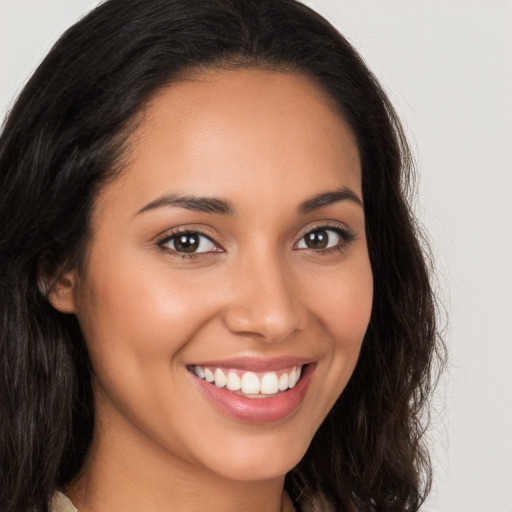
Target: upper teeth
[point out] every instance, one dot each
(250, 383)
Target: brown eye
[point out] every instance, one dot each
(189, 242)
(318, 239)
(324, 238)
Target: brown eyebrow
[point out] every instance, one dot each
(221, 206)
(327, 198)
(199, 204)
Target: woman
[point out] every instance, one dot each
(213, 290)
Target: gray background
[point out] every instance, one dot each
(447, 65)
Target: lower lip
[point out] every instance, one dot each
(257, 410)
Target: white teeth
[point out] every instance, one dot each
(283, 382)
(220, 378)
(250, 384)
(199, 372)
(234, 382)
(292, 379)
(269, 384)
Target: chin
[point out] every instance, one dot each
(259, 459)
(249, 469)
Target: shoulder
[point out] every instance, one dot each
(61, 503)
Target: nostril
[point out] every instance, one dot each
(267, 321)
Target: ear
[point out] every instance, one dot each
(58, 288)
(62, 292)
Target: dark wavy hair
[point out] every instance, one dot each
(65, 137)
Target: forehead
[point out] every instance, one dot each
(267, 131)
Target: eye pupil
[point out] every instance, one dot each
(186, 243)
(317, 239)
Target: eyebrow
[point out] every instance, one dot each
(223, 207)
(194, 203)
(327, 198)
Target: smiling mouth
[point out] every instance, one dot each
(250, 384)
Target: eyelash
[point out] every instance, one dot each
(345, 235)
(184, 255)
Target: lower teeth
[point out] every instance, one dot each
(258, 395)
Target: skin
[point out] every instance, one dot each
(265, 142)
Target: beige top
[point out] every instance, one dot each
(61, 503)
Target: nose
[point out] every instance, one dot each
(264, 301)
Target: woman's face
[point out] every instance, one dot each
(231, 247)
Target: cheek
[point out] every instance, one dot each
(346, 303)
(136, 325)
(133, 315)
(127, 302)
(344, 311)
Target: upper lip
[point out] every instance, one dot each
(257, 364)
